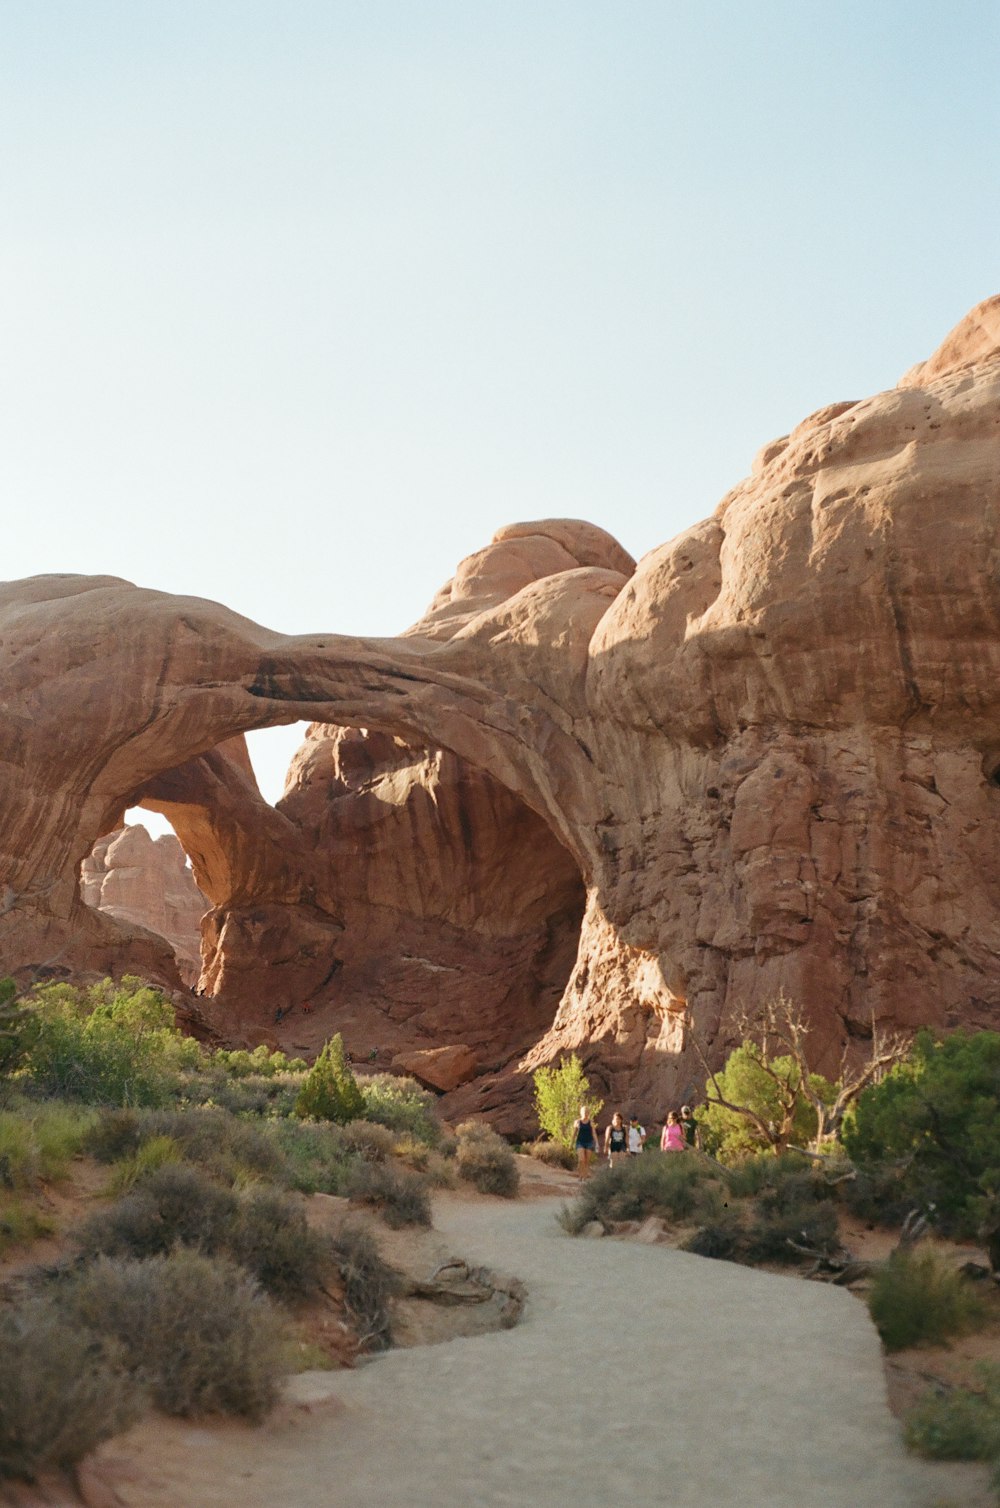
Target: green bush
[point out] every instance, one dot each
(18, 1029)
(788, 1171)
(369, 1285)
(330, 1092)
(261, 1062)
(918, 1296)
(559, 1093)
(61, 1393)
(484, 1159)
(266, 1095)
(744, 1081)
(674, 1186)
(154, 1153)
(197, 1329)
(722, 1239)
(21, 1222)
(399, 1195)
(316, 1157)
(38, 1141)
(959, 1425)
(937, 1116)
(401, 1104)
(108, 1044)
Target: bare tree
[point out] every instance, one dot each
(778, 1029)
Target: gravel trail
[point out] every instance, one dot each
(639, 1376)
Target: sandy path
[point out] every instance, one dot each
(639, 1376)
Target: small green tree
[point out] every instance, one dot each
(753, 1104)
(330, 1092)
(559, 1093)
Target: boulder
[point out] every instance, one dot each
(440, 1068)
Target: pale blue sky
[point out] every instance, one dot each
(302, 300)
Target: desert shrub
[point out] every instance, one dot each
(369, 1285)
(552, 1153)
(745, 1081)
(18, 1030)
(959, 1425)
(268, 1095)
(152, 1154)
(61, 1393)
(402, 1105)
(878, 1193)
(559, 1093)
(233, 1150)
(919, 1296)
(196, 1329)
(400, 1196)
(369, 1140)
(674, 1186)
(108, 1044)
(316, 1157)
(174, 1205)
(39, 1140)
(271, 1238)
(787, 1171)
(115, 1134)
(721, 1239)
(330, 1091)
(776, 1224)
(260, 1062)
(937, 1116)
(21, 1221)
(484, 1159)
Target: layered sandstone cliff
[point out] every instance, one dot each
(770, 753)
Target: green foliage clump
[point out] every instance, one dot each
(401, 1104)
(399, 1195)
(18, 1029)
(38, 1141)
(315, 1154)
(936, 1116)
(674, 1187)
(234, 1151)
(61, 1393)
(919, 1296)
(330, 1092)
(959, 1425)
(152, 1154)
(484, 1159)
(196, 1328)
(745, 1081)
(107, 1044)
(559, 1093)
(239, 1063)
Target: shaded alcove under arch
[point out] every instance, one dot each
(396, 893)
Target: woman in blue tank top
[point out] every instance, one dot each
(584, 1140)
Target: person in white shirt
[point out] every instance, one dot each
(636, 1136)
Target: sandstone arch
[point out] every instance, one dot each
(767, 748)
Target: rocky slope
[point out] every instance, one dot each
(770, 753)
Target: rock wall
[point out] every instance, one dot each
(135, 878)
(770, 751)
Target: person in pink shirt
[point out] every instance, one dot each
(672, 1139)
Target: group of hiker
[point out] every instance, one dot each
(624, 1139)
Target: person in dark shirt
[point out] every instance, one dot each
(692, 1135)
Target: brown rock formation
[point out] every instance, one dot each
(136, 878)
(770, 753)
